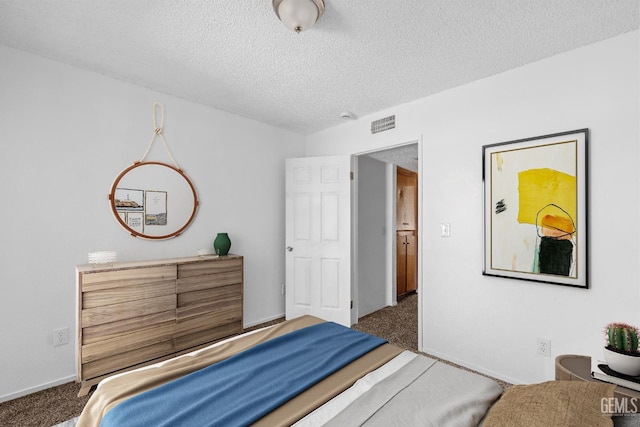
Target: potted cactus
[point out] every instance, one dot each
(621, 351)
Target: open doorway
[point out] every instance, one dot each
(382, 238)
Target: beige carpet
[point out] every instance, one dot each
(398, 325)
(44, 408)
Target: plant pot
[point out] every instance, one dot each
(625, 363)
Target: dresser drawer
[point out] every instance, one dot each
(127, 342)
(206, 336)
(213, 267)
(128, 310)
(209, 301)
(110, 330)
(126, 360)
(135, 292)
(190, 284)
(127, 277)
(205, 328)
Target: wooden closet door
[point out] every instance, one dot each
(406, 265)
(406, 230)
(401, 264)
(406, 200)
(411, 248)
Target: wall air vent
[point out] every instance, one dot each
(381, 125)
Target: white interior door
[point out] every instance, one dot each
(318, 238)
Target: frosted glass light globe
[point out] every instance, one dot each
(297, 15)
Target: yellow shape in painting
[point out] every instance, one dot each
(538, 188)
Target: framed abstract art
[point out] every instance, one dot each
(535, 209)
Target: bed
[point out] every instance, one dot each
(302, 372)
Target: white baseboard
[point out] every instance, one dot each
(40, 387)
(268, 319)
(473, 367)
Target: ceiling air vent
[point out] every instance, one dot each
(381, 125)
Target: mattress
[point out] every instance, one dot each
(384, 386)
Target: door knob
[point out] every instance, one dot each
(289, 249)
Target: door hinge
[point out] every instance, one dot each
(351, 175)
(352, 304)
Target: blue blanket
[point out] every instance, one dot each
(245, 387)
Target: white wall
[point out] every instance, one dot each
(66, 134)
(488, 323)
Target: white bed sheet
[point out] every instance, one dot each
(336, 405)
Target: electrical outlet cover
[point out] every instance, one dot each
(60, 337)
(544, 347)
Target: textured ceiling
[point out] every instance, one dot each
(405, 156)
(362, 56)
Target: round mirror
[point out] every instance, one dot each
(153, 200)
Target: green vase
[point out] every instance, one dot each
(222, 244)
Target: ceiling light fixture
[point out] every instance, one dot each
(298, 15)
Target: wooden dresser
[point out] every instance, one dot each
(137, 313)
